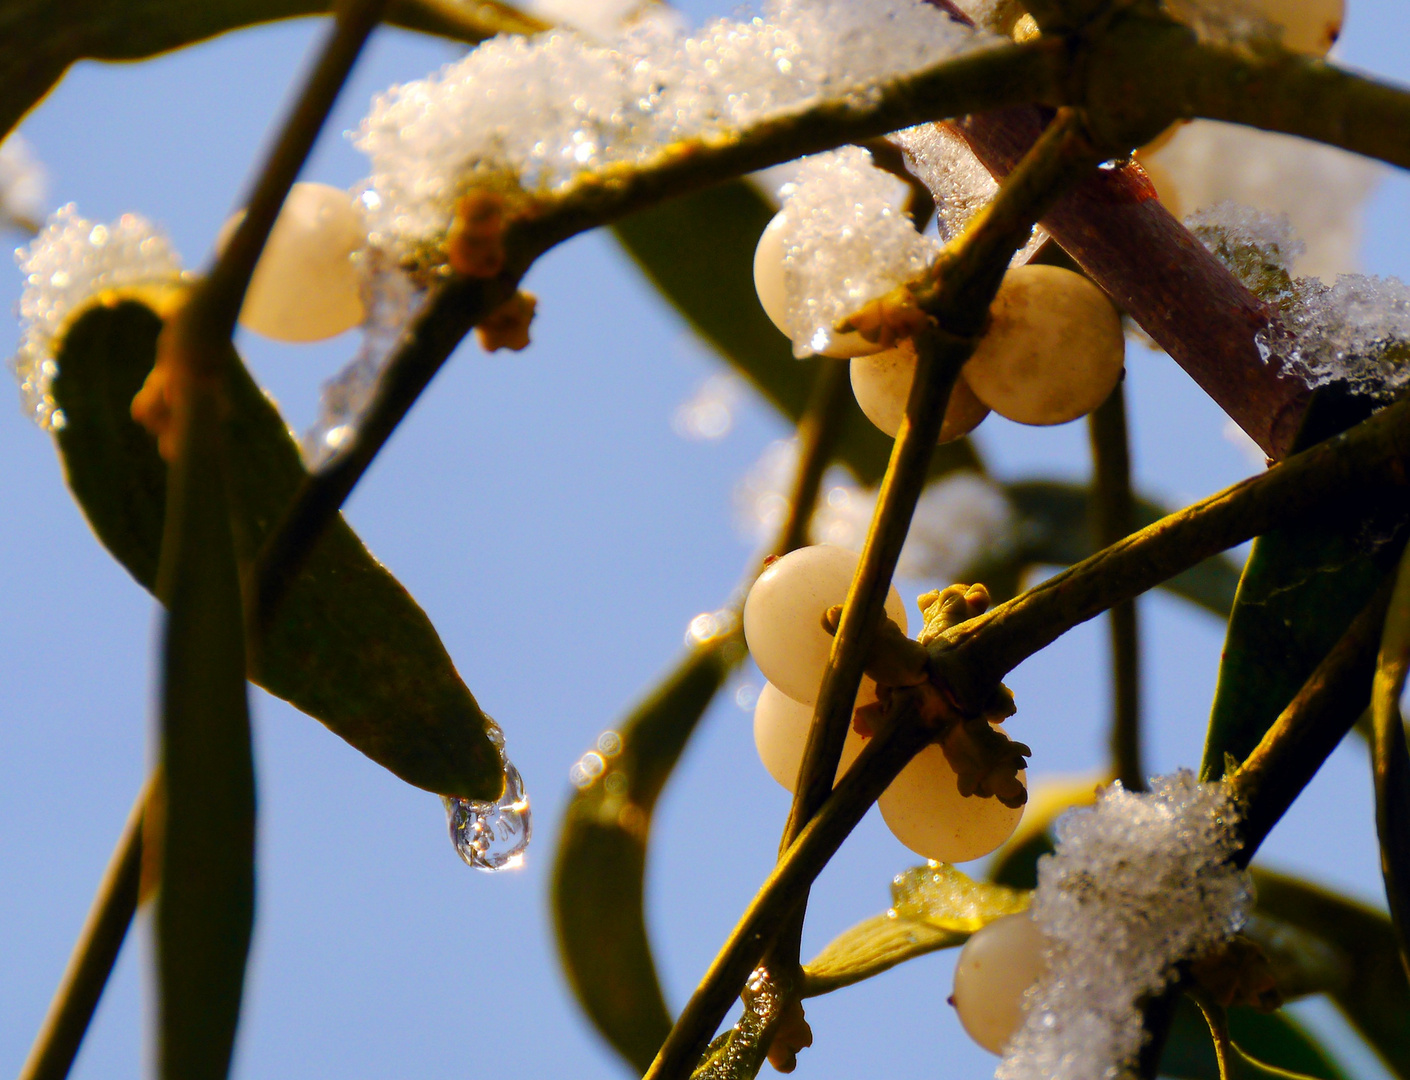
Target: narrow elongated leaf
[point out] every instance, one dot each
(1299, 592)
(933, 907)
(1273, 1044)
(205, 908)
(1376, 1000)
(699, 251)
(349, 646)
(40, 40)
(1390, 763)
(599, 871)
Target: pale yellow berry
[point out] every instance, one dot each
(783, 616)
(994, 971)
(781, 732)
(924, 810)
(881, 384)
(769, 258)
(305, 286)
(1054, 349)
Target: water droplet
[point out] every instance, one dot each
(492, 836)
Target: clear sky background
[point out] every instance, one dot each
(561, 536)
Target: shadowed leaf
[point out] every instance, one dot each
(1389, 761)
(1376, 1000)
(39, 40)
(1272, 1039)
(349, 646)
(205, 906)
(599, 871)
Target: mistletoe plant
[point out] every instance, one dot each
(1098, 941)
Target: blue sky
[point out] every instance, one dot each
(560, 536)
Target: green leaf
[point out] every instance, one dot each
(205, 909)
(933, 907)
(699, 251)
(1055, 529)
(39, 39)
(1376, 999)
(349, 646)
(1299, 592)
(599, 873)
(1279, 1046)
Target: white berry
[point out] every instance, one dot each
(924, 810)
(781, 733)
(769, 257)
(881, 384)
(995, 969)
(1054, 349)
(783, 616)
(305, 286)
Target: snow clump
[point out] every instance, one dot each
(65, 267)
(545, 111)
(1138, 883)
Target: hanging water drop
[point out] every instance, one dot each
(492, 835)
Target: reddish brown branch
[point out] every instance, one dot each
(1164, 278)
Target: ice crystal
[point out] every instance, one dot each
(1354, 332)
(1137, 884)
(1322, 190)
(65, 267)
(544, 111)
(943, 161)
(846, 242)
(23, 184)
(390, 298)
(1258, 247)
(960, 519)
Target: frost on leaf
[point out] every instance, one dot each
(546, 112)
(1138, 883)
(66, 267)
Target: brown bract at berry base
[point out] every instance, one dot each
(986, 761)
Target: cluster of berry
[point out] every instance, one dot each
(1053, 351)
(783, 625)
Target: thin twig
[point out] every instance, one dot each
(877, 765)
(1114, 519)
(223, 292)
(1390, 763)
(96, 951)
(1369, 461)
(818, 431)
(1309, 729)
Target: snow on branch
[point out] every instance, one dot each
(547, 112)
